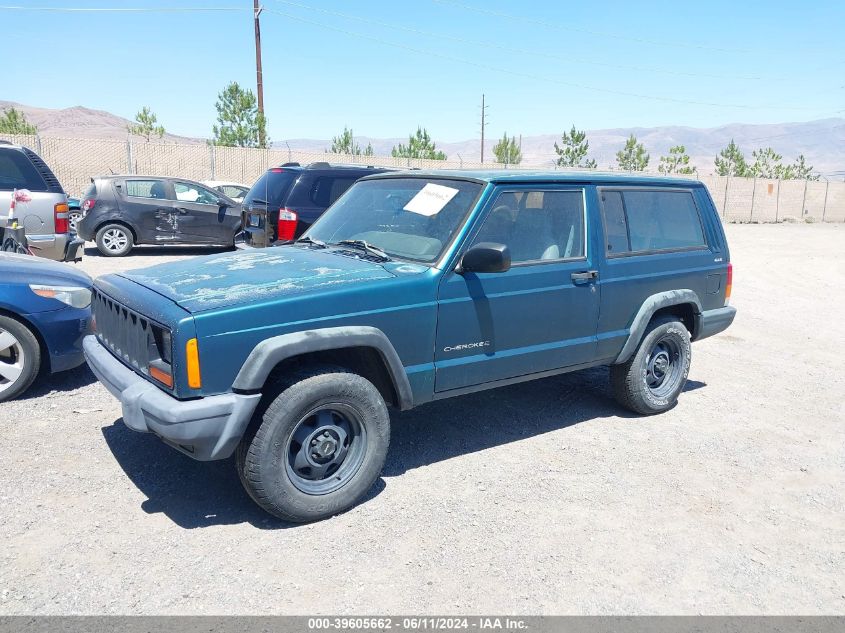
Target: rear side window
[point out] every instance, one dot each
(90, 192)
(650, 220)
(146, 189)
(16, 172)
(328, 189)
(272, 188)
(615, 225)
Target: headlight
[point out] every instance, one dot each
(73, 296)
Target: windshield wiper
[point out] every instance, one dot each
(310, 240)
(367, 248)
(258, 201)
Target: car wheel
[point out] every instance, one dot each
(114, 240)
(73, 219)
(20, 358)
(317, 447)
(651, 381)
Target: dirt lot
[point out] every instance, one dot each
(539, 498)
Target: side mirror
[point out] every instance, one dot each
(485, 257)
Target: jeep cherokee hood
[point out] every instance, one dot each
(216, 281)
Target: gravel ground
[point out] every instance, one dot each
(540, 498)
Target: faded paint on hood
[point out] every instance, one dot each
(216, 281)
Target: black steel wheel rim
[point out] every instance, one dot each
(664, 367)
(326, 449)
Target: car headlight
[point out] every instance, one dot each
(73, 296)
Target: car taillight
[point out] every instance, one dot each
(60, 214)
(729, 283)
(88, 205)
(287, 224)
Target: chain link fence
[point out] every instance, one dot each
(76, 160)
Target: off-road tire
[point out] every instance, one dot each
(630, 380)
(264, 454)
(110, 235)
(28, 354)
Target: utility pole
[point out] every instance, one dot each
(258, 75)
(483, 125)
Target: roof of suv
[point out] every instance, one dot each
(324, 166)
(547, 176)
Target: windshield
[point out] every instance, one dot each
(409, 218)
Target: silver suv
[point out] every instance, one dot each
(44, 218)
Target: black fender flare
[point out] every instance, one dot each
(651, 305)
(270, 352)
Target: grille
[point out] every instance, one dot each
(126, 333)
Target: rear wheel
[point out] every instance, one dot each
(114, 240)
(318, 447)
(651, 381)
(73, 218)
(20, 358)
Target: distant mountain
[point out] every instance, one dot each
(822, 142)
(81, 122)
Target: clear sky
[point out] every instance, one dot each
(383, 67)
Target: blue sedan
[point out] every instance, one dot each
(45, 310)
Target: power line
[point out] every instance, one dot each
(523, 51)
(573, 29)
(121, 9)
(532, 76)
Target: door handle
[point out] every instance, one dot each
(585, 277)
(182, 210)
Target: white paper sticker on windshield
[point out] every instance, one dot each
(431, 199)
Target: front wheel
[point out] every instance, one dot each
(20, 358)
(651, 381)
(318, 447)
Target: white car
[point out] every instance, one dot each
(235, 190)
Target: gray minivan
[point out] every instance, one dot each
(44, 217)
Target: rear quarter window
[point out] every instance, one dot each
(327, 189)
(272, 188)
(643, 220)
(17, 172)
(146, 189)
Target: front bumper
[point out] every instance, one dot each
(204, 429)
(712, 322)
(63, 331)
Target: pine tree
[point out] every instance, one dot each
(507, 151)
(633, 156)
(345, 143)
(803, 171)
(677, 162)
(145, 124)
(239, 122)
(14, 122)
(767, 164)
(574, 150)
(731, 162)
(419, 145)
